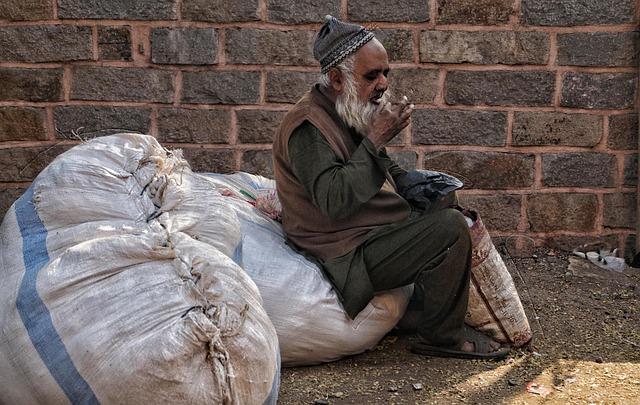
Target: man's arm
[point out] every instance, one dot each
(337, 188)
(394, 170)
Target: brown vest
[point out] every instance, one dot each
(306, 225)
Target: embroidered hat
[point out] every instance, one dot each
(336, 40)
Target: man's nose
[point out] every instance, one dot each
(383, 83)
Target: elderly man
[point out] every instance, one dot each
(341, 207)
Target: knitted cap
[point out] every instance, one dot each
(336, 40)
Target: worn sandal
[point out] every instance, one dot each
(481, 343)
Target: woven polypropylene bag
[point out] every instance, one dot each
(113, 293)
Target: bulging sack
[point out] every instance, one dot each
(116, 291)
(494, 304)
(311, 324)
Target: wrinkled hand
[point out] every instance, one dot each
(388, 120)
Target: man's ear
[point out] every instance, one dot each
(335, 76)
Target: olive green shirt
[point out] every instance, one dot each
(338, 188)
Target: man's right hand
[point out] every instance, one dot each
(388, 120)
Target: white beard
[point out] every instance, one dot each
(355, 113)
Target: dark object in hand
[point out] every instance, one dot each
(421, 187)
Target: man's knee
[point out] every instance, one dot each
(453, 226)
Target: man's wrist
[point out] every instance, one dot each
(375, 140)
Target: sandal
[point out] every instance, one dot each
(481, 343)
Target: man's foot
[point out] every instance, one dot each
(476, 345)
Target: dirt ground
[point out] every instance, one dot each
(585, 350)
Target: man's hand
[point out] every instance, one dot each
(388, 120)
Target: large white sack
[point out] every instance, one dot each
(311, 324)
(109, 298)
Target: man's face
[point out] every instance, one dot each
(370, 70)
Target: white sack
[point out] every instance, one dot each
(109, 298)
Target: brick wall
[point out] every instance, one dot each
(531, 102)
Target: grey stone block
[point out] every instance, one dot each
(258, 126)
(22, 124)
(485, 170)
(184, 46)
(483, 12)
(194, 126)
(114, 43)
(456, 127)
(577, 12)
(500, 88)
(31, 84)
(88, 121)
(578, 169)
(382, 10)
(288, 87)
(222, 11)
(117, 9)
(45, 43)
(220, 87)
(269, 47)
(122, 84)
(598, 49)
(549, 128)
(484, 47)
(599, 90)
(301, 11)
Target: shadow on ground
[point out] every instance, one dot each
(586, 350)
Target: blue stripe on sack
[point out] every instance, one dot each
(272, 399)
(237, 254)
(35, 315)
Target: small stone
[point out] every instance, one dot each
(338, 394)
(512, 383)
(534, 256)
(392, 388)
(417, 386)
(599, 360)
(321, 401)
